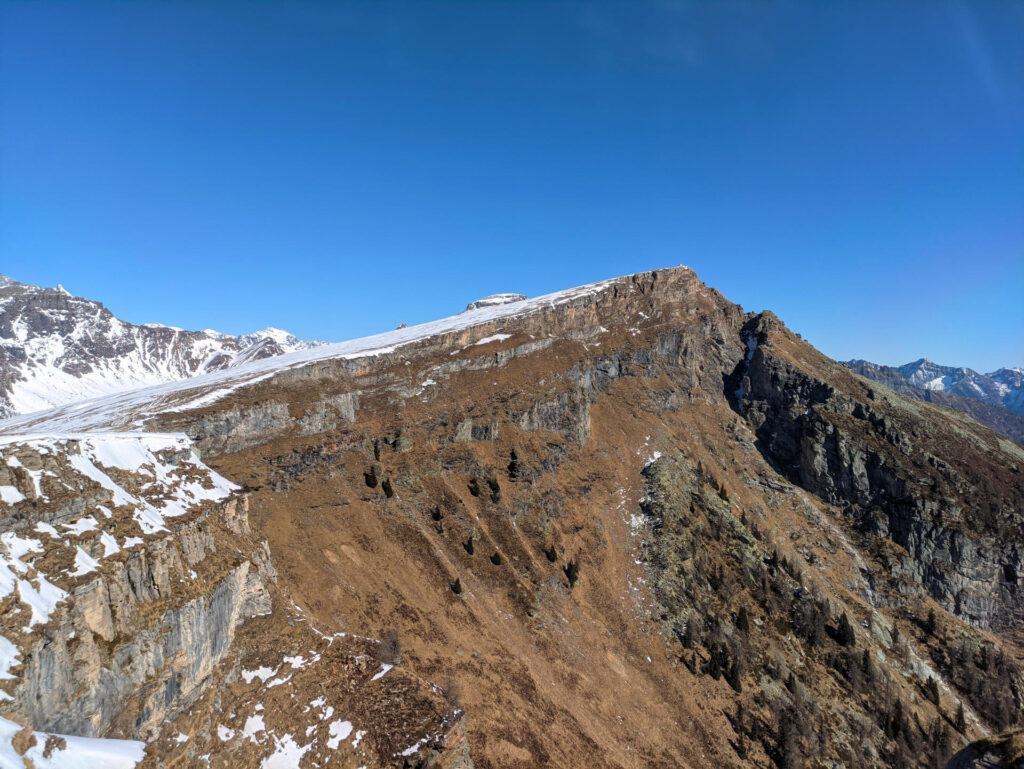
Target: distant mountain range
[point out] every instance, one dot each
(995, 399)
(56, 348)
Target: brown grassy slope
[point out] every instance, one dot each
(593, 675)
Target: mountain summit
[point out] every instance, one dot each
(621, 525)
(56, 348)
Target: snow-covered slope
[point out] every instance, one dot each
(75, 511)
(129, 409)
(169, 491)
(1009, 384)
(56, 348)
(61, 751)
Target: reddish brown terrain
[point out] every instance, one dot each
(632, 526)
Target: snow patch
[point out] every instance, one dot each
(493, 338)
(84, 563)
(11, 495)
(287, 754)
(338, 731)
(78, 753)
(253, 726)
(262, 673)
(381, 673)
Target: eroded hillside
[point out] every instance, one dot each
(139, 607)
(627, 525)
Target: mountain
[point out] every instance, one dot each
(1004, 387)
(623, 525)
(995, 399)
(56, 348)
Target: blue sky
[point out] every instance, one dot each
(338, 168)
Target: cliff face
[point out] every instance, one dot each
(112, 618)
(629, 524)
(948, 492)
(130, 569)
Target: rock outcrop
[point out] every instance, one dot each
(134, 585)
(1005, 751)
(130, 570)
(946, 491)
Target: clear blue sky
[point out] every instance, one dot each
(338, 168)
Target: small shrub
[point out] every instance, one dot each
(734, 675)
(690, 636)
(572, 572)
(867, 666)
(492, 484)
(389, 491)
(550, 554)
(743, 621)
(844, 632)
(715, 663)
(468, 545)
(931, 690)
(513, 466)
(474, 487)
(496, 559)
(370, 477)
(457, 586)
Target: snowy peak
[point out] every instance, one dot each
(286, 341)
(1011, 377)
(931, 376)
(56, 348)
(1003, 388)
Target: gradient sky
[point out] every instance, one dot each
(338, 168)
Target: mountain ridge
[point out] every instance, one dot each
(995, 399)
(56, 348)
(631, 524)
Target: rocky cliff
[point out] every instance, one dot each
(947, 492)
(130, 571)
(625, 525)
